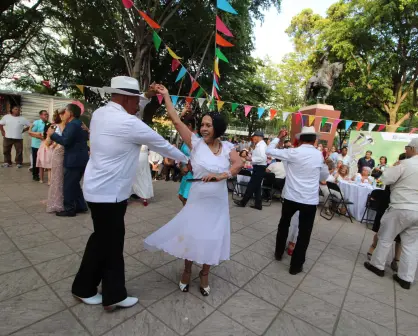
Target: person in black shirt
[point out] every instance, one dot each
(366, 161)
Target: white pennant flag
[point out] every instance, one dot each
(101, 92)
(201, 101)
(371, 126)
(285, 115)
(93, 88)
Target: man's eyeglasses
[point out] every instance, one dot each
(408, 147)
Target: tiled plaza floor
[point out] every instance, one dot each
(252, 294)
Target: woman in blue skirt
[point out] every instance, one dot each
(184, 185)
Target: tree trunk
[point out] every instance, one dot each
(394, 125)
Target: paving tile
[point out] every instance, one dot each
(362, 272)
(16, 220)
(28, 308)
(63, 289)
(61, 324)
(251, 259)
(331, 274)
(280, 272)
(150, 287)
(262, 248)
(19, 282)
(24, 229)
(252, 233)
(134, 244)
(241, 240)
(174, 270)
(34, 240)
(250, 311)
(266, 225)
(181, 311)
(370, 309)
(235, 249)
(154, 259)
(380, 292)
(218, 324)
(323, 290)
(71, 231)
(142, 228)
(337, 262)
(134, 268)
(407, 323)
(77, 244)
(317, 244)
(353, 325)
(236, 226)
(341, 252)
(234, 272)
(313, 310)
(288, 325)
(11, 210)
(12, 261)
(57, 269)
(6, 245)
(39, 254)
(98, 321)
(407, 301)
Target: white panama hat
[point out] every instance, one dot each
(307, 131)
(123, 85)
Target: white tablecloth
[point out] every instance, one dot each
(356, 193)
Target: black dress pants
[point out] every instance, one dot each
(73, 195)
(35, 170)
(306, 221)
(103, 258)
(254, 186)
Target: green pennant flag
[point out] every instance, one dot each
(323, 121)
(157, 40)
(199, 93)
(212, 105)
(400, 129)
(234, 106)
(221, 56)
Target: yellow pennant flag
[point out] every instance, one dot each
(171, 52)
(81, 88)
(220, 104)
(311, 120)
(217, 67)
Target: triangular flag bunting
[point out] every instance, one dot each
(359, 125)
(174, 65)
(221, 27)
(414, 130)
(272, 114)
(215, 84)
(234, 106)
(260, 112)
(101, 92)
(174, 99)
(128, 3)
(160, 98)
(348, 124)
(298, 117)
(172, 54)
(381, 127)
(46, 83)
(212, 105)
(217, 78)
(220, 104)
(222, 42)
(400, 129)
(157, 40)
(181, 74)
(195, 85)
(201, 101)
(81, 88)
(336, 122)
(371, 126)
(217, 67)
(323, 121)
(189, 99)
(225, 6)
(247, 109)
(215, 93)
(221, 56)
(200, 92)
(285, 115)
(311, 120)
(150, 21)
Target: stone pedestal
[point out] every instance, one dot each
(319, 110)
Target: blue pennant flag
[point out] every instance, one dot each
(174, 99)
(225, 6)
(348, 124)
(216, 85)
(260, 112)
(181, 74)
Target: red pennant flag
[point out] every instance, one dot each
(160, 98)
(247, 109)
(414, 130)
(221, 27)
(174, 65)
(222, 42)
(298, 117)
(46, 83)
(359, 125)
(128, 3)
(189, 99)
(150, 21)
(381, 127)
(215, 93)
(195, 85)
(272, 114)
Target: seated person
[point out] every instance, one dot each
(323, 184)
(342, 174)
(155, 160)
(279, 172)
(364, 176)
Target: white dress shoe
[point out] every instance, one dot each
(94, 300)
(128, 302)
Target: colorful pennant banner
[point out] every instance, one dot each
(128, 3)
(181, 74)
(371, 126)
(157, 41)
(222, 42)
(348, 124)
(234, 106)
(260, 112)
(359, 125)
(247, 109)
(220, 55)
(225, 6)
(221, 27)
(220, 105)
(174, 99)
(311, 120)
(323, 121)
(285, 115)
(272, 114)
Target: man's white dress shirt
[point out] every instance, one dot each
(155, 157)
(258, 156)
(304, 169)
(278, 169)
(345, 159)
(115, 141)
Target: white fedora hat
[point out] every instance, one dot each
(123, 85)
(307, 131)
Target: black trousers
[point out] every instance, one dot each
(103, 257)
(306, 221)
(73, 195)
(35, 170)
(254, 186)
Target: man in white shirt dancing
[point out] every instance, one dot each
(305, 168)
(259, 161)
(116, 135)
(400, 218)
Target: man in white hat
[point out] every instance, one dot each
(400, 218)
(116, 135)
(305, 168)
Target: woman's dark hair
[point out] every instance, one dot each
(47, 126)
(384, 157)
(219, 124)
(190, 122)
(402, 156)
(75, 110)
(56, 117)
(244, 150)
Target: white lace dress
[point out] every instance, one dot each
(201, 230)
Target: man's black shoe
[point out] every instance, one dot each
(295, 270)
(256, 207)
(36, 178)
(66, 214)
(278, 257)
(81, 211)
(374, 269)
(134, 196)
(404, 284)
(238, 203)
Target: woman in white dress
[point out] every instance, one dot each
(142, 186)
(201, 230)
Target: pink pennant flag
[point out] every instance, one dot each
(160, 98)
(414, 130)
(128, 3)
(381, 127)
(247, 109)
(174, 65)
(215, 93)
(221, 27)
(299, 118)
(336, 122)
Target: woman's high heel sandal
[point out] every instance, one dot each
(185, 287)
(204, 291)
